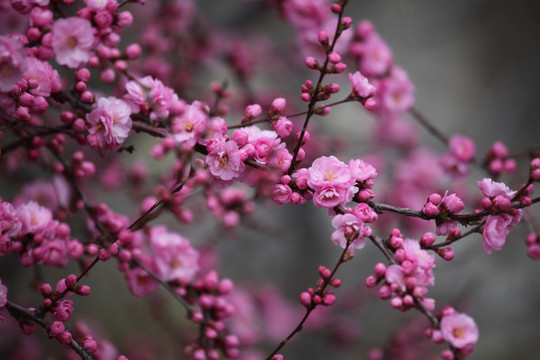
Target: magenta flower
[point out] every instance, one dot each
(46, 77)
(347, 222)
(459, 329)
(462, 148)
(190, 126)
(140, 283)
(34, 218)
(224, 160)
(72, 41)
(109, 123)
(361, 170)
(375, 56)
(496, 230)
(329, 171)
(174, 256)
(492, 188)
(63, 310)
(361, 85)
(10, 224)
(12, 62)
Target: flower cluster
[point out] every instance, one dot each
(406, 283)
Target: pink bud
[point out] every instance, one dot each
(428, 239)
(311, 63)
(279, 104)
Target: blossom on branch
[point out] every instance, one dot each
(72, 41)
(109, 124)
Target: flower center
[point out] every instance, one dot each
(223, 161)
(72, 42)
(458, 332)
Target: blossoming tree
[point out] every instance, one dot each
(80, 97)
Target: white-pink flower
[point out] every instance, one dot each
(189, 126)
(329, 171)
(459, 329)
(174, 256)
(46, 77)
(224, 160)
(496, 230)
(347, 222)
(12, 61)
(72, 41)
(109, 123)
(34, 218)
(462, 148)
(361, 170)
(492, 188)
(361, 85)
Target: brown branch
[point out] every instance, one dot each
(19, 312)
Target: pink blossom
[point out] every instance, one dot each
(492, 188)
(265, 142)
(3, 295)
(418, 256)
(174, 256)
(72, 41)
(224, 160)
(10, 223)
(246, 320)
(46, 77)
(43, 192)
(281, 159)
(189, 126)
(395, 275)
(395, 93)
(331, 196)
(374, 54)
(140, 283)
(347, 222)
(306, 13)
(459, 329)
(281, 194)
(361, 170)
(361, 85)
(54, 253)
(110, 123)
(216, 129)
(12, 61)
(283, 126)
(149, 94)
(450, 205)
(462, 148)
(496, 230)
(364, 212)
(329, 171)
(34, 218)
(310, 44)
(96, 5)
(63, 310)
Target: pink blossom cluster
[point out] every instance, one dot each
(30, 231)
(444, 207)
(461, 155)
(458, 329)
(502, 216)
(498, 160)
(407, 281)
(109, 124)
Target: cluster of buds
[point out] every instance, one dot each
(319, 296)
(498, 160)
(209, 293)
